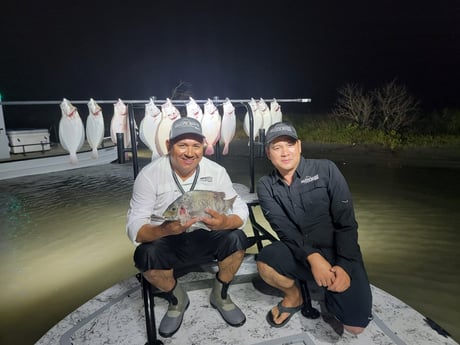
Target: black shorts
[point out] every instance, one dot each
(353, 307)
(196, 247)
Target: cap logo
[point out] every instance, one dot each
(186, 123)
(281, 128)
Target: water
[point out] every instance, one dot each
(63, 239)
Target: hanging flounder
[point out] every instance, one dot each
(194, 110)
(257, 116)
(94, 127)
(119, 123)
(227, 131)
(170, 114)
(149, 126)
(71, 130)
(211, 126)
(275, 111)
(265, 113)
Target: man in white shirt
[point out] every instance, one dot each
(162, 246)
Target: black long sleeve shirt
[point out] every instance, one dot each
(314, 214)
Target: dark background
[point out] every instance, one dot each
(237, 49)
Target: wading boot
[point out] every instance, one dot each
(224, 304)
(178, 303)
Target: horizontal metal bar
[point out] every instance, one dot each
(158, 101)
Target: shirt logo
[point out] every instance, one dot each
(309, 179)
(206, 179)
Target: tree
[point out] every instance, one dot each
(355, 105)
(396, 109)
(182, 91)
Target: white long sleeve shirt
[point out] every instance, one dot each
(155, 189)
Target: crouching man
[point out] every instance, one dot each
(162, 246)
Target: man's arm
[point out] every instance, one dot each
(150, 232)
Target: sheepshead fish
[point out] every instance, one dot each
(71, 130)
(94, 127)
(193, 203)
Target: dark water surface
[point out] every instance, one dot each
(62, 239)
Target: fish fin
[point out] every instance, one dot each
(229, 203)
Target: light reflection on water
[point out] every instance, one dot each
(63, 240)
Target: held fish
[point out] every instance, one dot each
(193, 204)
(71, 130)
(94, 127)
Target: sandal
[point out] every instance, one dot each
(282, 309)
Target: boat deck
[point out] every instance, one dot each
(116, 316)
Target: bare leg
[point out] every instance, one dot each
(230, 265)
(292, 294)
(161, 279)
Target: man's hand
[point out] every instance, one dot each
(216, 220)
(175, 227)
(342, 280)
(321, 270)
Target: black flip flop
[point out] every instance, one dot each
(282, 309)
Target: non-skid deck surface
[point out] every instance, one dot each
(116, 316)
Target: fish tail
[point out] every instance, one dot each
(209, 150)
(73, 159)
(94, 153)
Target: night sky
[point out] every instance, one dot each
(238, 49)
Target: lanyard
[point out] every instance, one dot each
(195, 179)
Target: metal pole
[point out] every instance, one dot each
(132, 129)
(142, 101)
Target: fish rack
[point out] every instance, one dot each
(132, 103)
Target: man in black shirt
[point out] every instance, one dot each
(308, 204)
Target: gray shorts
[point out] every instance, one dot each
(353, 307)
(199, 246)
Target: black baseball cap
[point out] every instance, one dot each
(280, 129)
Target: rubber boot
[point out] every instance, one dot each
(223, 303)
(178, 303)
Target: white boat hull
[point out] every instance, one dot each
(47, 164)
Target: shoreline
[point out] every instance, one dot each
(341, 154)
(376, 155)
